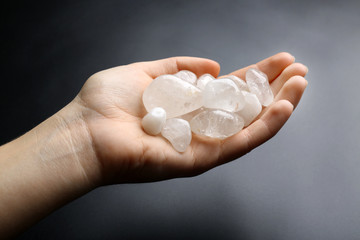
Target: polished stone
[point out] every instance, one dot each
(203, 80)
(251, 109)
(177, 97)
(241, 84)
(223, 94)
(187, 76)
(192, 114)
(216, 123)
(154, 121)
(177, 131)
(258, 84)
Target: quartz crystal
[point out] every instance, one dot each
(180, 104)
(258, 84)
(177, 131)
(176, 96)
(241, 84)
(251, 109)
(203, 80)
(192, 114)
(216, 123)
(223, 94)
(187, 76)
(154, 121)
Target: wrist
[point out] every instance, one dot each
(72, 145)
(49, 166)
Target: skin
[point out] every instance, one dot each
(97, 139)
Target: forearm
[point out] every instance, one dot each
(44, 169)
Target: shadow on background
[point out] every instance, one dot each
(148, 211)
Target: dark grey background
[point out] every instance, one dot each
(303, 184)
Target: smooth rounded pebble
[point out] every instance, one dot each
(180, 104)
(223, 94)
(241, 84)
(258, 84)
(203, 80)
(187, 76)
(176, 96)
(216, 123)
(154, 121)
(177, 131)
(251, 109)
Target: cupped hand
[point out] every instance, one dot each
(112, 110)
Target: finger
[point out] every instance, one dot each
(271, 66)
(292, 90)
(257, 133)
(292, 70)
(199, 66)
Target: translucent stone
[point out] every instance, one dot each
(241, 84)
(258, 84)
(154, 121)
(187, 76)
(216, 123)
(192, 114)
(251, 109)
(223, 94)
(203, 80)
(177, 131)
(175, 96)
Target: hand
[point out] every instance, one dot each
(113, 109)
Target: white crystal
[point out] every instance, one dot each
(187, 76)
(154, 121)
(241, 84)
(258, 84)
(176, 96)
(216, 123)
(251, 109)
(192, 114)
(203, 80)
(223, 94)
(177, 131)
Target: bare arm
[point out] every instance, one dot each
(42, 170)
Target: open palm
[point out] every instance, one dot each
(112, 100)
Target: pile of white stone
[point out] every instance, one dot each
(219, 108)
